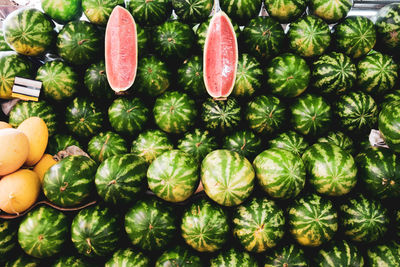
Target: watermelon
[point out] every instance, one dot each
(309, 36)
(23, 260)
(205, 226)
(59, 81)
(312, 220)
(340, 139)
(71, 261)
(233, 257)
(266, 114)
(390, 98)
(285, 11)
(258, 224)
(150, 144)
(173, 176)
(83, 118)
(379, 171)
(62, 11)
(98, 12)
(121, 179)
(288, 75)
(248, 77)
(153, 76)
(95, 81)
(291, 141)
(79, 42)
(59, 142)
(355, 36)
(26, 109)
(43, 232)
(190, 76)
(357, 111)
(339, 253)
(3, 44)
(128, 257)
(244, 142)
(70, 181)
(143, 36)
(220, 56)
(333, 73)
(385, 255)
(221, 115)
(25, 39)
(331, 11)
(289, 255)
(105, 145)
(128, 116)
(227, 177)
(178, 256)
(95, 231)
(241, 11)
(331, 170)
(192, 11)
(387, 27)
(150, 224)
(197, 143)
(311, 115)
(376, 73)
(174, 112)
(364, 220)
(173, 40)
(389, 126)
(150, 13)
(12, 65)
(8, 237)
(121, 49)
(280, 172)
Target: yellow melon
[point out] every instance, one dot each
(38, 135)
(43, 165)
(19, 191)
(14, 150)
(4, 125)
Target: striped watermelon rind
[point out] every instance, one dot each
(105, 145)
(95, 80)
(150, 144)
(128, 256)
(233, 257)
(8, 237)
(244, 142)
(389, 126)
(64, 11)
(331, 11)
(98, 12)
(198, 144)
(179, 256)
(23, 260)
(192, 11)
(248, 76)
(150, 13)
(221, 115)
(285, 11)
(339, 253)
(384, 255)
(290, 140)
(71, 261)
(241, 11)
(288, 255)
(59, 142)
(387, 26)
(190, 76)
(340, 139)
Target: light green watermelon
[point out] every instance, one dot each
(331, 11)
(385, 255)
(389, 126)
(340, 139)
(98, 11)
(62, 11)
(150, 144)
(221, 115)
(291, 141)
(248, 76)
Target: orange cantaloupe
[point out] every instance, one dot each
(43, 165)
(14, 150)
(4, 125)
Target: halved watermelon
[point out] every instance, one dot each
(121, 53)
(220, 57)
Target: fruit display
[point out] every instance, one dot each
(200, 133)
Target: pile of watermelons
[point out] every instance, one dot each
(289, 174)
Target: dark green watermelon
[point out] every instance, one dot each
(59, 142)
(248, 76)
(313, 220)
(150, 224)
(221, 115)
(291, 141)
(71, 261)
(98, 12)
(79, 42)
(311, 115)
(71, 181)
(339, 253)
(333, 73)
(8, 237)
(3, 44)
(192, 11)
(241, 11)
(59, 81)
(285, 11)
(179, 256)
(64, 11)
(288, 255)
(95, 80)
(280, 172)
(198, 144)
(363, 220)
(331, 11)
(340, 139)
(309, 36)
(190, 76)
(23, 260)
(128, 257)
(83, 118)
(43, 232)
(244, 142)
(288, 75)
(388, 28)
(205, 226)
(150, 13)
(95, 231)
(233, 258)
(385, 255)
(105, 145)
(389, 125)
(266, 114)
(390, 98)
(259, 224)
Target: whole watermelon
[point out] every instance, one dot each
(390, 98)
(227, 177)
(129, 257)
(3, 44)
(25, 39)
(121, 179)
(71, 261)
(280, 173)
(248, 76)
(62, 11)
(105, 145)
(43, 232)
(291, 141)
(59, 142)
(331, 11)
(71, 181)
(98, 11)
(233, 257)
(389, 125)
(339, 253)
(340, 139)
(384, 255)
(179, 256)
(205, 226)
(244, 142)
(150, 13)
(221, 115)
(259, 224)
(190, 76)
(285, 11)
(388, 28)
(198, 144)
(192, 11)
(289, 255)
(95, 231)
(23, 260)
(8, 237)
(241, 11)
(95, 80)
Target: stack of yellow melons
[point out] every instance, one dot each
(20, 150)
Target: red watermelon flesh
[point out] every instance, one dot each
(121, 54)
(220, 57)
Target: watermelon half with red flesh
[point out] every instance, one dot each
(220, 57)
(121, 50)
